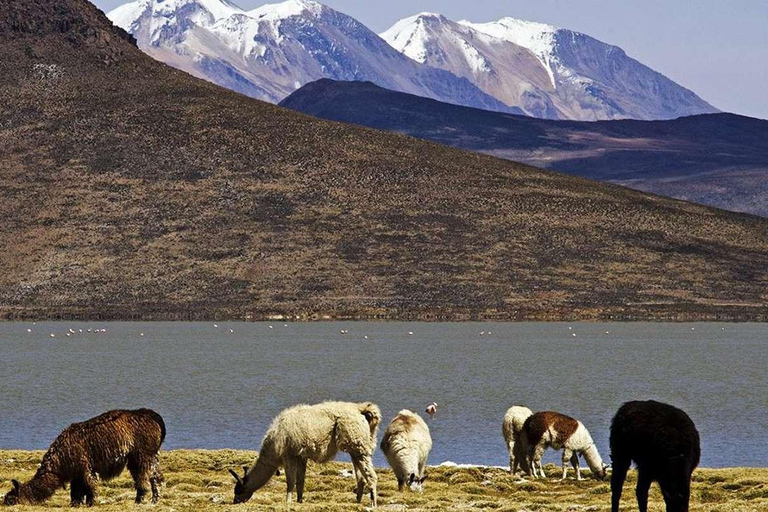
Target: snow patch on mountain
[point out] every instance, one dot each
(539, 38)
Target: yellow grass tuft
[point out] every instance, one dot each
(198, 480)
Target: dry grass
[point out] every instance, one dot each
(198, 480)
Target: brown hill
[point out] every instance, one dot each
(131, 190)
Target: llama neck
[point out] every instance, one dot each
(42, 486)
(263, 469)
(594, 461)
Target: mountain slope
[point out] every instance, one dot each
(715, 159)
(566, 75)
(269, 52)
(132, 190)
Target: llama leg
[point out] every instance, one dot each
(360, 488)
(291, 467)
(641, 491)
(300, 477)
(537, 456)
(91, 489)
(156, 478)
(567, 454)
(512, 462)
(140, 471)
(575, 464)
(620, 468)
(76, 492)
(369, 476)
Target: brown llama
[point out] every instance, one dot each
(664, 444)
(98, 448)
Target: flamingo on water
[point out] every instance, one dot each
(431, 409)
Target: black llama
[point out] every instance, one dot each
(664, 444)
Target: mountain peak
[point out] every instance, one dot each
(287, 9)
(411, 35)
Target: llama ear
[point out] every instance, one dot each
(412, 478)
(237, 477)
(423, 478)
(245, 472)
(15, 484)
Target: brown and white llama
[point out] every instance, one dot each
(550, 429)
(664, 444)
(99, 448)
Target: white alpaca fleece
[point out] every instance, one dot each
(406, 444)
(512, 428)
(317, 433)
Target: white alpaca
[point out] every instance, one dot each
(512, 429)
(317, 433)
(406, 444)
(561, 432)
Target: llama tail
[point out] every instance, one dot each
(372, 415)
(265, 467)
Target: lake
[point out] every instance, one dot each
(221, 389)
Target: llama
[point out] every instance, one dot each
(98, 448)
(664, 443)
(558, 431)
(406, 444)
(315, 432)
(512, 428)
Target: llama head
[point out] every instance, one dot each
(601, 474)
(12, 498)
(416, 484)
(241, 495)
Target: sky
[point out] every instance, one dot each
(716, 48)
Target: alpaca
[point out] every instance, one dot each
(552, 429)
(512, 428)
(315, 432)
(664, 443)
(406, 444)
(98, 448)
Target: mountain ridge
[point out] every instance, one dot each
(132, 190)
(269, 52)
(588, 79)
(716, 159)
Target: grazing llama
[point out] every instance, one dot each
(99, 448)
(560, 432)
(512, 429)
(664, 444)
(406, 444)
(315, 432)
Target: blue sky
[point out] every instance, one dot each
(717, 48)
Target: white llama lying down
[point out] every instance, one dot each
(552, 429)
(406, 444)
(317, 433)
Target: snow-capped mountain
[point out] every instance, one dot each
(547, 71)
(271, 51)
(503, 69)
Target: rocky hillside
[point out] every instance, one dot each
(714, 159)
(129, 189)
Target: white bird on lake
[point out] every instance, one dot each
(431, 409)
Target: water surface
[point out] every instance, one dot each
(220, 389)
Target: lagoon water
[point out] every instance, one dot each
(220, 389)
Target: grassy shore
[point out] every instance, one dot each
(198, 480)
